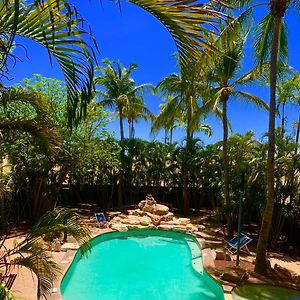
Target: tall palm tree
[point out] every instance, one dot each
(57, 26)
(119, 90)
(222, 74)
(184, 100)
(271, 31)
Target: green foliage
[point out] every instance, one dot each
(32, 253)
(119, 91)
(57, 26)
(36, 170)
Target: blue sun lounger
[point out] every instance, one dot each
(233, 243)
(101, 220)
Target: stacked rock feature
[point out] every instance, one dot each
(151, 215)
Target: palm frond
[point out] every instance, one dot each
(56, 25)
(263, 38)
(37, 260)
(250, 98)
(63, 220)
(188, 23)
(40, 125)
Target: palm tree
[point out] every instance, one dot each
(168, 118)
(184, 96)
(31, 251)
(271, 31)
(57, 26)
(225, 86)
(120, 90)
(286, 92)
(134, 111)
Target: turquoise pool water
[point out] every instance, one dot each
(140, 265)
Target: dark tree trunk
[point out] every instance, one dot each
(225, 169)
(282, 119)
(297, 135)
(132, 129)
(185, 195)
(262, 245)
(129, 130)
(120, 175)
(166, 135)
(171, 136)
(121, 126)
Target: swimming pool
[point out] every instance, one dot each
(134, 265)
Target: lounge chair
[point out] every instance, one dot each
(233, 243)
(101, 220)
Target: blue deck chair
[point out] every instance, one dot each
(233, 243)
(101, 220)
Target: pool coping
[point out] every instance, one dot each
(69, 256)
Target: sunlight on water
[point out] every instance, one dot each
(138, 267)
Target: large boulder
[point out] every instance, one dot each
(142, 204)
(145, 221)
(160, 209)
(135, 212)
(149, 208)
(119, 227)
(132, 220)
(168, 217)
(192, 228)
(184, 221)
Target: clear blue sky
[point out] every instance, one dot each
(136, 36)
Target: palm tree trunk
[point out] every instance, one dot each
(132, 128)
(282, 119)
(166, 135)
(297, 135)
(171, 136)
(121, 126)
(261, 251)
(120, 175)
(225, 169)
(129, 129)
(185, 195)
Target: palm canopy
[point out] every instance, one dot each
(182, 104)
(224, 69)
(56, 25)
(118, 89)
(135, 110)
